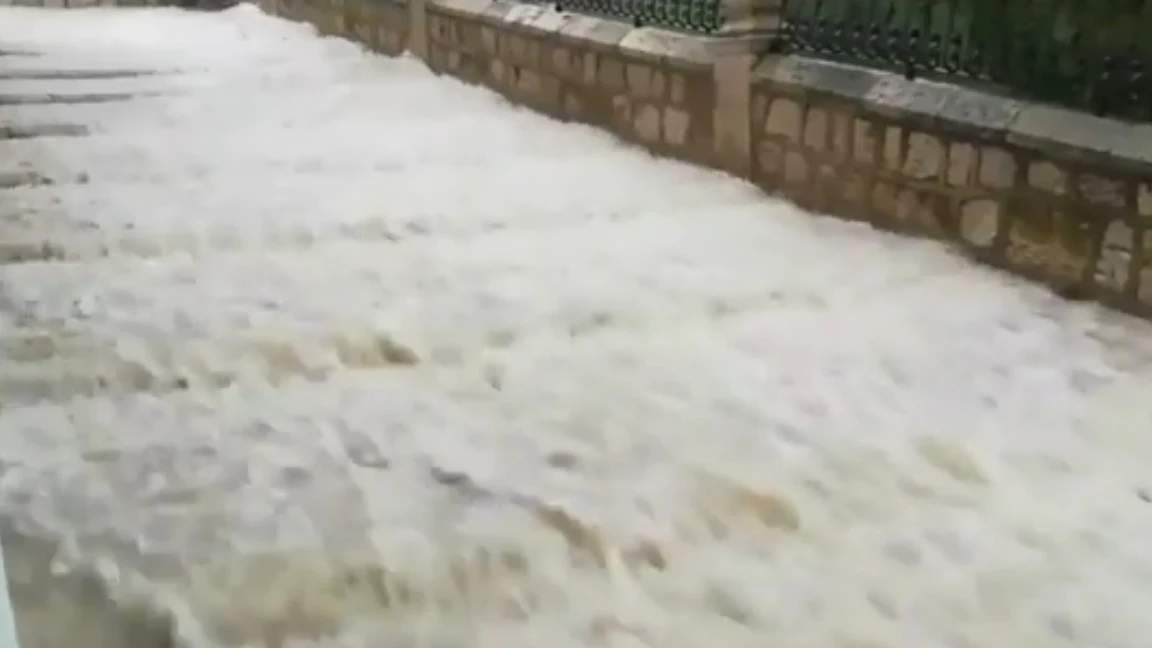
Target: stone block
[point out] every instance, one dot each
(980, 221)
(622, 113)
(1053, 243)
(659, 88)
(841, 136)
(759, 107)
(885, 200)
(925, 158)
(854, 190)
(539, 89)
(548, 24)
(573, 107)
(785, 118)
(826, 187)
(1144, 200)
(528, 54)
(770, 156)
(647, 44)
(975, 112)
(610, 74)
(907, 206)
(900, 99)
(498, 72)
(589, 63)
(437, 58)
(576, 72)
(469, 38)
(997, 168)
(962, 159)
(470, 68)
(551, 94)
(1047, 177)
(676, 123)
(813, 75)
(797, 170)
(1071, 133)
(921, 212)
(397, 42)
(639, 79)
(893, 148)
(816, 130)
(521, 15)
(488, 40)
(506, 46)
(561, 60)
(607, 34)
(676, 88)
(381, 40)
(646, 123)
(1099, 190)
(575, 32)
(1115, 259)
(865, 141)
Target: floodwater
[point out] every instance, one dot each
(301, 346)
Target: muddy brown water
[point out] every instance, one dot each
(72, 609)
(67, 609)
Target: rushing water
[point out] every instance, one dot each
(311, 347)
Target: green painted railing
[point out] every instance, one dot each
(700, 16)
(1094, 55)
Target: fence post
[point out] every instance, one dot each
(747, 32)
(418, 29)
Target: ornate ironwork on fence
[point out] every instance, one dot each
(701, 16)
(1094, 55)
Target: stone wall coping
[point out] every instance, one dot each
(605, 34)
(1062, 133)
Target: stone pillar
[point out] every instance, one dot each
(418, 29)
(751, 17)
(746, 34)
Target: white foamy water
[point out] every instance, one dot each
(319, 349)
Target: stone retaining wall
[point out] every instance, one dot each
(578, 69)
(380, 25)
(1055, 195)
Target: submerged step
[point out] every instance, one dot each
(65, 75)
(30, 131)
(95, 97)
(13, 179)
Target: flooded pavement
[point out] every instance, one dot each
(301, 346)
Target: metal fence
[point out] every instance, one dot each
(700, 16)
(1094, 55)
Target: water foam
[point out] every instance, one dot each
(315, 349)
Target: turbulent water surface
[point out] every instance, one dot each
(312, 347)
